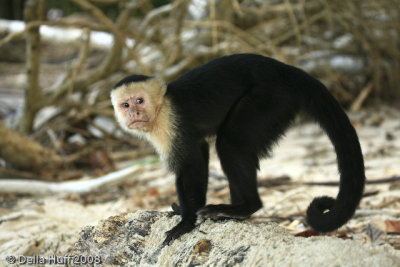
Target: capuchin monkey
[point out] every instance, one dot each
(247, 101)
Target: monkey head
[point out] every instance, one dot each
(137, 104)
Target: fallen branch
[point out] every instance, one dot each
(40, 188)
(61, 31)
(25, 154)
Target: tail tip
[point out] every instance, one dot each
(318, 212)
(320, 205)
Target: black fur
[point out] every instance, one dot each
(131, 79)
(248, 101)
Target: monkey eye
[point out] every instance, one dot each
(125, 105)
(139, 100)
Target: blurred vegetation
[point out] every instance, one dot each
(351, 45)
(13, 9)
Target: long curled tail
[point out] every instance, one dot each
(326, 214)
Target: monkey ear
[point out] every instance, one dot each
(162, 85)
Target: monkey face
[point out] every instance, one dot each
(136, 105)
(134, 111)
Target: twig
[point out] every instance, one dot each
(361, 98)
(152, 15)
(108, 2)
(83, 53)
(132, 154)
(11, 217)
(176, 42)
(368, 181)
(16, 173)
(388, 202)
(284, 180)
(245, 37)
(364, 213)
(214, 27)
(96, 12)
(284, 37)
(12, 36)
(110, 64)
(202, 51)
(292, 18)
(236, 7)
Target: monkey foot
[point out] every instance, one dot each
(180, 229)
(222, 212)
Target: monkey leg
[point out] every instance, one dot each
(252, 127)
(241, 170)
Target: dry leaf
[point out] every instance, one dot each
(393, 226)
(307, 233)
(153, 192)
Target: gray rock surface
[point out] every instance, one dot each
(135, 239)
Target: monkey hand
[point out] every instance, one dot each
(181, 228)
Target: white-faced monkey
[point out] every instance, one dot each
(247, 101)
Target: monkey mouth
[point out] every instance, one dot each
(137, 124)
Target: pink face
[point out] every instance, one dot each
(136, 105)
(134, 110)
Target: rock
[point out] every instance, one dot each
(135, 239)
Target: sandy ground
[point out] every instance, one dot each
(50, 224)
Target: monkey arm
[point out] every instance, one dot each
(191, 185)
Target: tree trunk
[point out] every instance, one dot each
(33, 97)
